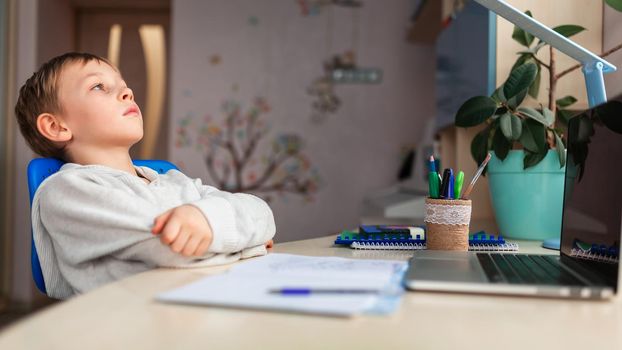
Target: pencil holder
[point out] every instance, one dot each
(447, 224)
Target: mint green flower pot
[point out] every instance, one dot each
(527, 203)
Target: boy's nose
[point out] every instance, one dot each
(127, 94)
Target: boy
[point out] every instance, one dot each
(99, 218)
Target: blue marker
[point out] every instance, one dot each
(450, 188)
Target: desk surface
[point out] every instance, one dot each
(124, 315)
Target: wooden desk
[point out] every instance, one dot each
(123, 315)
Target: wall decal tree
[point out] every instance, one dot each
(230, 150)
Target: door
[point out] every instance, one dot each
(136, 40)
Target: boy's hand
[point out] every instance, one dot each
(185, 229)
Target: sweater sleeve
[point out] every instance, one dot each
(87, 220)
(239, 221)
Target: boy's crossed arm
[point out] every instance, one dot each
(111, 221)
(186, 230)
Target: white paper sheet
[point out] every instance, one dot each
(247, 285)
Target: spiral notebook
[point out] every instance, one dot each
(479, 241)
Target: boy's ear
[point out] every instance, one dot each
(53, 128)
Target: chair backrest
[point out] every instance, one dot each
(39, 169)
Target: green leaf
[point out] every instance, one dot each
(517, 127)
(568, 30)
(548, 116)
(532, 158)
(565, 101)
(533, 136)
(520, 79)
(517, 100)
(521, 36)
(525, 57)
(522, 59)
(511, 126)
(616, 4)
(498, 95)
(479, 146)
(534, 88)
(475, 111)
(526, 138)
(535, 115)
(561, 153)
(501, 145)
(505, 124)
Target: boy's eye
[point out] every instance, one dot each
(99, 86)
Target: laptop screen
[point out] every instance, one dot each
(592, 219)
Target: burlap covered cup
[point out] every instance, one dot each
(447, 224)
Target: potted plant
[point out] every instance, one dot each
(526, 171)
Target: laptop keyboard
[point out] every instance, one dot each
(526, 269)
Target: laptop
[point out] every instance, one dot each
(588, 262)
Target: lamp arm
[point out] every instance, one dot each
(593, 66)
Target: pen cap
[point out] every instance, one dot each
(447, 224)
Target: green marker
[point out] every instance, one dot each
(458, 185)
(433, 184)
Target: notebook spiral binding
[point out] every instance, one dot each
(578, 253)
(387, 246)
(506, 247)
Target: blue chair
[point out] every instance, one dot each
(39, 169)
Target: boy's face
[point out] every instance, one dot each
(98, 107)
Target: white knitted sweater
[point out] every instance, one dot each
(92, 225)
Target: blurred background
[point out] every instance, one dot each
(325, 108)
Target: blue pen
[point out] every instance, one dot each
(310, 291)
